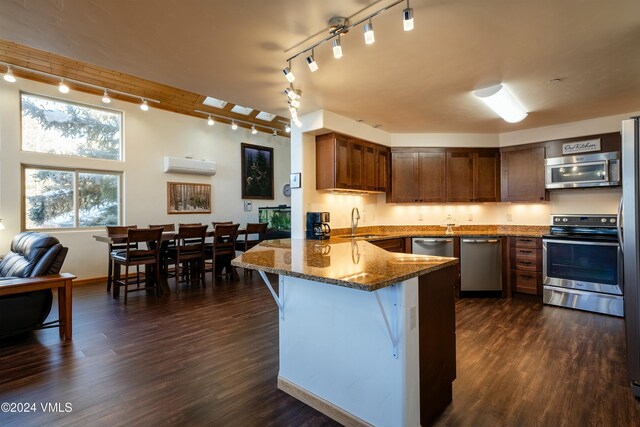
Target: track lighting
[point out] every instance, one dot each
(295, 103)
(253, 130)
(407, 15)
(288, 74)
(234, 125)
(298, 122)
(501, 101)
(275, 132)
(144, 106)
(8, 76)
(287, 128)
(292, 93)
(337, 48)
(369, 37)
(62, 87)
(210, 121)
(313, 65)
(105, 97)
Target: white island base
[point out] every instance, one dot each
(383, 358)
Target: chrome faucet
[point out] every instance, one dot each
(355, 216)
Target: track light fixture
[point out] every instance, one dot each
(407, 18)
(105, 97)
(144, 106)
(287, 129)
(311, 61)
(254, 130)
(62, 87)
(288, 74)
(337, 48)
(234, 125)
(369, 37)
(337, 27)
(210, 121)
(8, 76)
(275, 132)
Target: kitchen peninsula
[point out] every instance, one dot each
(366, 336)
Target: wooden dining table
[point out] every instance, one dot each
(167, 236)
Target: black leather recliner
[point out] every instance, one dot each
(32, 254)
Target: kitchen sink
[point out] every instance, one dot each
(359, 236)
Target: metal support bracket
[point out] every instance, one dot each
(279, 299)
(392, 327)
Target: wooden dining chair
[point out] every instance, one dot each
(136, 256)
(188, 255)
(222, 250)
(113, 230)
(254, 234)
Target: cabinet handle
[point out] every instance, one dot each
(526, 263)
(525, 252)
(525, 240)
(528, 276)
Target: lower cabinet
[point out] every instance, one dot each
(391, 245)
(525, 255)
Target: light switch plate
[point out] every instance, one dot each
(248, 205)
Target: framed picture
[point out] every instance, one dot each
(257, 172)
(295, 180)
(186, 198)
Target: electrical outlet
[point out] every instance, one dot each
(509, 217)
(248, 205)
(420, 217)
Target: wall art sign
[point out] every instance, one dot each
(187, 198)
(581, 146)
(257, 172)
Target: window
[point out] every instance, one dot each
(60, 127)
(59, 198)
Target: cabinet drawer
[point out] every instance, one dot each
(528, 242)
(527, 282)
(391, 245)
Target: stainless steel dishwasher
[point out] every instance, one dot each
(432, 246)
(480, 265)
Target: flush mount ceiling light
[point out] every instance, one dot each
(210, 121)
(8, 76)
(369, 37)
(311, 61)
(502, 102)
(62, 87)
(144, 106)
(407, 18)
(105, 98)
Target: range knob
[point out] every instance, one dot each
(612, 220)
(603, 220)
(565, 219)
(557, 219)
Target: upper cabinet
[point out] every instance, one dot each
(523, 175)
(347, 163)
(444, 175)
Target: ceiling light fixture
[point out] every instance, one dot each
(254, 130)
(275, 132)
(369, 37)
(288, 74)
(234, 125)
(407, 21)
(8, 76)
(287, 129)
(105, 97)
(311, 61)
(501, 101)
(62, 87)
(144, 106)
(337, 48)
(210, 121)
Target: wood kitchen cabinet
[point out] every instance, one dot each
(348, 163)
(523, 175)
(525, 261)
(396, 244)
(473, 176)
(417, 177)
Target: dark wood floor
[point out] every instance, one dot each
(210, 357)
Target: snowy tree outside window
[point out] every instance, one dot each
(67, 198)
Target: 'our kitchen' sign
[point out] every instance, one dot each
(581, 146)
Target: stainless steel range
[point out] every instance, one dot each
(582, 264)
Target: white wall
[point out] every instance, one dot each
(375, 211)
(148, 137)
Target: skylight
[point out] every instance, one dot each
(214, 102)
(242, 110)
(265, 116)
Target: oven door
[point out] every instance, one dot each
(584, 265)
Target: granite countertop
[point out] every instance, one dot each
(372, 233)
(350, 263)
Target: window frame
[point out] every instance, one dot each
(120, 158)
(76, 172)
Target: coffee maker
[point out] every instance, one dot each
(317, 225)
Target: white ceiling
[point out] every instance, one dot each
(419, 81)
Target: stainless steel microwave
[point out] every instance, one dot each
(589, 170)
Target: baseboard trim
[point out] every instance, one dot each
(329, 409)
(90, 281)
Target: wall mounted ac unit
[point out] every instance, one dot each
(190, 166)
